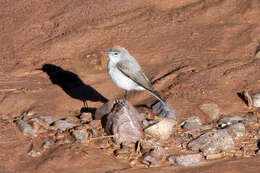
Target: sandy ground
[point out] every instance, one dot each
(193, 51)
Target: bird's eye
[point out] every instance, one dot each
(115, 53)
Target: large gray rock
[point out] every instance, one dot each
(212, 142)
(104, 110)
(164, 110)
(123, 121)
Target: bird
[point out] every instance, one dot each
(126, 73)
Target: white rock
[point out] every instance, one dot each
(161, 130)
(256, 100)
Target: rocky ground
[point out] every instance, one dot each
(201, 55)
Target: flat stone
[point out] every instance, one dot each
(63, 125)
(210, 109)
(80, 135)
(212, 142)
(230, 120)
(186, 159)
(26, 128)
(155, 156)
(162, 129)
(256, 100)
(47, 119)
(192, 123)
(164, 110)
(124, 122)
(85, 117)
(257, 55)
(238, 130)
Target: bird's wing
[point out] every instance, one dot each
(136, 75)
(139, 77)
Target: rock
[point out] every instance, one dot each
(237, 130)
(124, 122)
(257, 55)
(62, 125)
(164, 110)
(47, 119)
(236, 119)
(212, 142)
(26, 128)
(186, 160)
(250, 119)
(215, 156)
(104, 110)
(256, 100)
(180, 139)
(230, 120)
(155, 156)
(34, 153)
(86, 117)
(80, 135)
(46, 144)
(192, 123)
(211, 109)
(161, 130)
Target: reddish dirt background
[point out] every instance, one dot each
(193, 50)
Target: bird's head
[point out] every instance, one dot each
(117, 53)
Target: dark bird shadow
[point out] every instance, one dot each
(73, 85)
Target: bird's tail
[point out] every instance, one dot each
(158, 96)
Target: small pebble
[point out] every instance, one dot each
(161, 130)
(258, 153)
(256, 100)
(155, 155)
(211, 109)
(215, 156)
(186, 160)
(238, 130)
(33, 153)
(192, 123)
(180, 139)
(63, 125)
(26, 128)
(230, 120)
(46, 144)
(212, 142)
(86, 117)
(80, 135)
(47, 119)
(250, 119)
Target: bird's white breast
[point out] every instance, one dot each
(120, 79)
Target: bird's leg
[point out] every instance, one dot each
(125, 96)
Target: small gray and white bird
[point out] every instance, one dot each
(127, 74)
